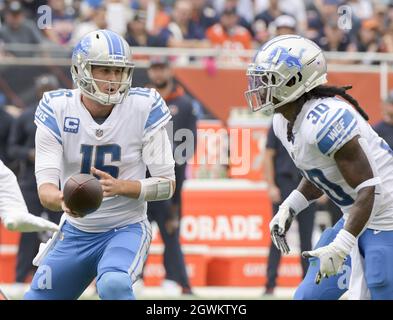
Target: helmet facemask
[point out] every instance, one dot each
(89, 85)
(262, 85)
(285, 68)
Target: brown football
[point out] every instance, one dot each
(82, 193)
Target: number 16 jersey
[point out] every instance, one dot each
(114, 146)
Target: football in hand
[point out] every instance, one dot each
(82, 193)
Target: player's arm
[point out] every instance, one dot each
(158, 156)
(47, 169)
(298, 200)
(309, 190)
(13, 209)
(157, 153)
(357, 172)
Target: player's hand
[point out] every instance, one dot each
(110, 186)
(279, 227)
(26, 222)
(331, 260)
(332, 256)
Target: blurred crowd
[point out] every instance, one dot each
(336, 25)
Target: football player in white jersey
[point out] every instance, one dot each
(113, 131)
(338, 153)
(13, 210)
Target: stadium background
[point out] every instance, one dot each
(226, 209)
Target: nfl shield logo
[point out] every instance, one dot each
(99, 133)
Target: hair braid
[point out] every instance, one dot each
(324, 92)
(290, 125)
(331, 91)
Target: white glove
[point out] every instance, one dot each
(279, 225)
(26, 222)
(332, 256)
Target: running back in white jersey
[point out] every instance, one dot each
(115, 146)
(322, 127)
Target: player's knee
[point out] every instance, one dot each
(115, 286)
(304, 292)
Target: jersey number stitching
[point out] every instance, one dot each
(114, 150)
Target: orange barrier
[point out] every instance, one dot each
(225, 89)
(229, 219)
(8, 247)
(251, 271)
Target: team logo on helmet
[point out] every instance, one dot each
(284, 56)
(83, 46)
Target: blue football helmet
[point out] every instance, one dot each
(102, 48)
(283, 69)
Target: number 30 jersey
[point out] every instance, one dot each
(114, 146)
(321, 128)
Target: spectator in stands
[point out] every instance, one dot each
(295, 8)
(387, 39)
(118, 15)
(17, 29)
(21, 147)
(182, 31)
(31, 7)
(328, 11)
(95, 20)
(228, 34)
(285, 24)
(244, 11)
(363, 9)
(270, 13)
(203, 15)
(137, 34)
(62, 24)
(167, 214)
(368, 39)
(384, 128)
(161, 10)
(282, 177)
(335, 38)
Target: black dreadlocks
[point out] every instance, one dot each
(324, 92)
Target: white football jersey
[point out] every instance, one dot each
(115, 146)
(11, 199)
(322, 127)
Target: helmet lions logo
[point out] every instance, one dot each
(284, 56)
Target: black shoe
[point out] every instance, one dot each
(187, 291)
(269, 292)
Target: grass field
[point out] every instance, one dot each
(15, 291)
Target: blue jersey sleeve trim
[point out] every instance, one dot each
(337, 132)
(329, 123)
(157, 113)
(343, 138)
(47, 108)
(140, 92)
(44, 118)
